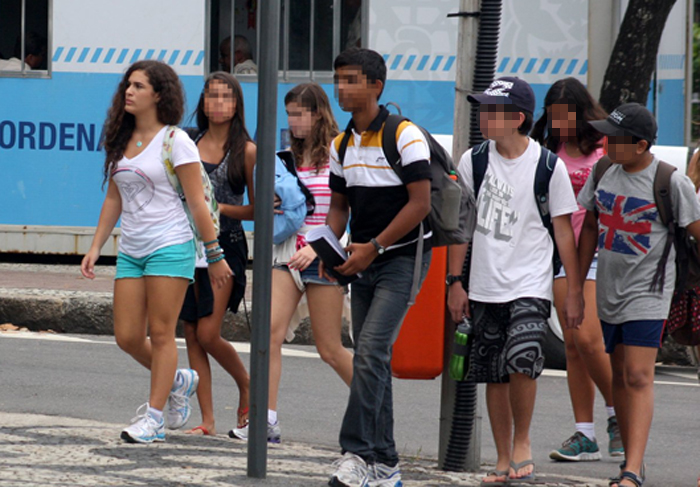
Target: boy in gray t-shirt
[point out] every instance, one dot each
(630, 238)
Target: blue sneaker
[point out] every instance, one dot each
(381, 475)
(615, 447)
(578, 448)
(144, 428)
(178, 409)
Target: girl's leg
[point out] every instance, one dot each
(326, 310)
(617, 361)
(199, 361)
(285, 298)
(581, 387)
(639, 390)
(164, 296)
(591, 348)
(130, 319)
(209, 337)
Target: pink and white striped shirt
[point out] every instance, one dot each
(317, 182)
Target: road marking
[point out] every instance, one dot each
(241, 347)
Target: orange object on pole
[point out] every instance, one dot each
(418, 351)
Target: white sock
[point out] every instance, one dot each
(271, 416)
(610, 410)
(587, 429)
(156, 414)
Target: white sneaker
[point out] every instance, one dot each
(274, 433)
(381, 475)
(144, 428)
(350, 471)
(178, 409)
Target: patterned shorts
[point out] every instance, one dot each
(508, 339)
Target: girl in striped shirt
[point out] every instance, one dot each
(312, 128)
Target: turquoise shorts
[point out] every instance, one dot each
(171, 261)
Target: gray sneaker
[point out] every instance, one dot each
(274, 433)
(350, 471)
(615, 447)
(578, 448)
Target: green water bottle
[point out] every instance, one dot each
(459, 362)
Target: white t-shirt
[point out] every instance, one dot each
(511, 248)
(152, 213)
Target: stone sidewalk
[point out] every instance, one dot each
(37, 450)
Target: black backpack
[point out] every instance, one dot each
(543, 175)
(449, 197)
(288, 159)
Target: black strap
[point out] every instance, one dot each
(389, 143)
(287, 157)
(543, 175)
(480, 162)
(664, 205)
(344, 145)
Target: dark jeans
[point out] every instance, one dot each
(379, 305)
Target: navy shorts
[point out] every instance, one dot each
(641, 333)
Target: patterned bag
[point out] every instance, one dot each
(684, 319)
(170, 133)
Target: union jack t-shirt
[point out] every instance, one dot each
(631, 239)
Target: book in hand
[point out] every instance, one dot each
(330, 251)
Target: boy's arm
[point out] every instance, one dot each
(338, 213)
(410, 216)
(566, 244)
(457, 298)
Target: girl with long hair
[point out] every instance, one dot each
(312, 129)
(228, 154)
(564, 129)
(156, 254)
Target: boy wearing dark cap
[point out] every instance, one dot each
(510, 282)
(623, 221)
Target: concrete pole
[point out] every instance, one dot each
(466, 54)
(262, 264)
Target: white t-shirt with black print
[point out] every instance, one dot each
(152, 213)
(511, 248)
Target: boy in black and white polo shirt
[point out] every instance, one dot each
(385, 213)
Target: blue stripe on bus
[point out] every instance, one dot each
(396, 62)
(545, 64)
(584, 68)
(423, 62)
(162, 54)
(503, 65)
(150, 53)
(57, 54)
(557, 66)
(173, 56)
(449, 63)
(409, 62)
(436, 63)
(96, 56)
(516, 65)
(187, 57)
(200, 58)
(83, 54)
(69, 56)
(530, 65)
(135, 56)
(122, 56)
(571, 67)
(110, 54)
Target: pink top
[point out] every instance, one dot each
(579, 168)
(317, 182)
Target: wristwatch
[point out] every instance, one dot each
(378, 246)
(452, 279)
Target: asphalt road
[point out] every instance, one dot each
(89, 377)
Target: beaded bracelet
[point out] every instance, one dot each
(213, 250)
(216, 240)
(215, 260)
(214, 256)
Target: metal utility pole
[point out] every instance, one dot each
(468, 16)
(262, 264)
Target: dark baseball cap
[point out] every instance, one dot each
(630, 119)
(507, 91)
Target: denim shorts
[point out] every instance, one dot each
(641, 333)
(310, 274)
(171, 261)
(592, 270)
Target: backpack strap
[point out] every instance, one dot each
(480, 162)
(287, 158)
(664, 205)
(543, 175)
(344, 145)
(167, 158)
(600, 168)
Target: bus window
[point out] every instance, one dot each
(24, 55)
(312, 33)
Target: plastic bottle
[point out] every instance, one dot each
(459, 362)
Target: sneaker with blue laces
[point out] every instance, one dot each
(381, 475)
(178, 410)
(578, 448)
(350, 471)
(615, 447)
(144, 428)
